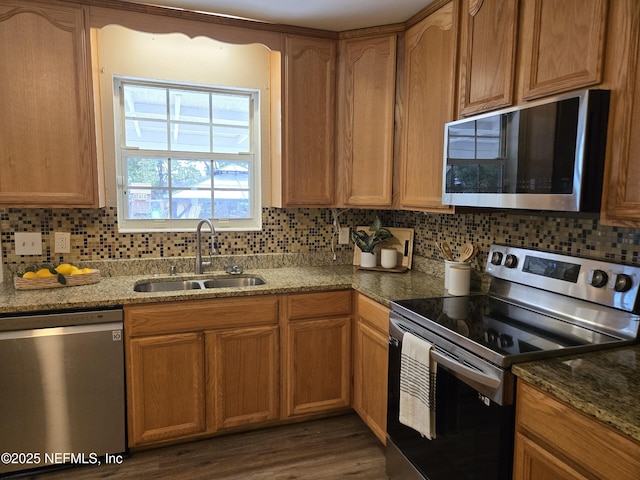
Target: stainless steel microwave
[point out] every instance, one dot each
(545, 155)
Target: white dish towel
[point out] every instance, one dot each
(418, 386)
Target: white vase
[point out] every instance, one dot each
(367, 260)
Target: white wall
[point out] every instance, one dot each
(200, 60)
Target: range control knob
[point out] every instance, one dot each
(511, 261)
(623, 282)
(599, 278)
(496, 258)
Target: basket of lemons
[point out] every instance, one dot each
(64, 275)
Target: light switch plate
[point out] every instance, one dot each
(28, 243)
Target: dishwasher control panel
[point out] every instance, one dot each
(59, 319)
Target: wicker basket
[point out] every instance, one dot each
(52, 282)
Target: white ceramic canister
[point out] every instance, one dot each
(388, 257)
(447, 271)
(459, 279)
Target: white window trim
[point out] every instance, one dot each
(254, 223)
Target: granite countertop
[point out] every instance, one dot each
(118, 290)
(603, 384)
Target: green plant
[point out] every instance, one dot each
(368, 241)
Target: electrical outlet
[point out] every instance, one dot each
(343, 236)
(28, 243)
(62, 242)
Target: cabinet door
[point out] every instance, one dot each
(487, 54)
(562, 45)
(318, 367)
(370, 378)
(532, 462)
(165, 387)
(566, 436)
(242, 376)
(47, 139)
(430, 73)
(308, 164)
(621, 195)
(366, 93)
(370, 365)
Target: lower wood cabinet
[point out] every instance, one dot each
(555, 441)
(166, 387)
(316, 352)
(243, 376)
(370, 364)
(196, 367)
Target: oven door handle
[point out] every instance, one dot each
(467, 372)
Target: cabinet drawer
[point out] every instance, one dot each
(185, 316)
(318, 305)
(374, 314)
(590, 445)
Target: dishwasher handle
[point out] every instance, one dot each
(464, 371)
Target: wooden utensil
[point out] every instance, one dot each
(473, 255)
(467, 252)
(439, 247)
(446, 250)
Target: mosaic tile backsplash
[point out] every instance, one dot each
(95, 237)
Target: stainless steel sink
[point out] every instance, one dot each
(216, 282)
(160, 286)
(224, 282)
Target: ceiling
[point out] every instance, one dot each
(335, 15)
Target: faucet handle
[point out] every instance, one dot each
(234, 269)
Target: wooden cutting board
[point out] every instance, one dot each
(402, 241)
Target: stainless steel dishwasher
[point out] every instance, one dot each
(62, 397)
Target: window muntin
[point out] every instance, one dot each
(185, 153)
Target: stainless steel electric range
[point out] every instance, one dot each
(539, 305)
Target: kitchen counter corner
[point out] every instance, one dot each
(603, 384)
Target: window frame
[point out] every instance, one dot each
(122, 152)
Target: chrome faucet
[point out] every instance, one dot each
(199, 263)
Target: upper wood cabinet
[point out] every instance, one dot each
(562, 45)
(47, 139)
(307, 171)
(366, 102)
(428, 103)
(488, 32)
(621, 194)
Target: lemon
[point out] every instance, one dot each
(86, 270)
(29, 275)
(74, 270)
(65, 268)
(44, 272)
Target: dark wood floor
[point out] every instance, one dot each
(328, 449)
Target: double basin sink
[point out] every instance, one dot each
(215, 282)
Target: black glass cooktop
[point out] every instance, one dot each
(503, 328)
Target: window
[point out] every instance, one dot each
(186, 152)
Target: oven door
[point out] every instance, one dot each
(474, 434)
